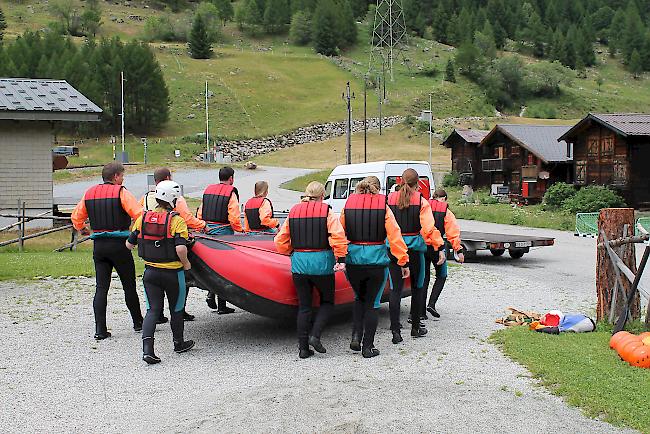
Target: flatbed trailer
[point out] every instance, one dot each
(497, 244)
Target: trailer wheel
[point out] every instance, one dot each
(497, 252)
(516, 253)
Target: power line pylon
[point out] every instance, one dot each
(389, 35)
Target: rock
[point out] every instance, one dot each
(250, 165)
(191, 116)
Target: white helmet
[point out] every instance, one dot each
(168, 191)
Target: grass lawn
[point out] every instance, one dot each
(530, 216)
(39, 259)
(396, 143)
(585, 371)
(301, 182)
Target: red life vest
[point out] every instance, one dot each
(308, 226)
(155, 243)
(215, 202)
(408, 218)
(105, 208)
(365, 218)
(252, 210)
(439, 210)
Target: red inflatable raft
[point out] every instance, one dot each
(247, 271)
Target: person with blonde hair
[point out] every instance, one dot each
(316, 241)
(414, 217)
(258, 211)
(368, 223)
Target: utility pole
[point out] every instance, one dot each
(380, 100)
(365, 119)
(207, 123)
(124, 158)
(430, 129)
(347, 97)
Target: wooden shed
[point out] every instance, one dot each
(613, 149)
(524, 160)
(465, 157)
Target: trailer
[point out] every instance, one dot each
(497, 244)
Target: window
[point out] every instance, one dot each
(592, 146)
(620, 172)
(341, 188)
(424, 185)
(581, 172)
(515, 150)
(328, 189)
(353, 184)
(607, 145)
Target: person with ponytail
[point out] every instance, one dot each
(258, 211)
(316, 241)
(368, 223)
(414, 217)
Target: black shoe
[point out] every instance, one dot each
(225, 310)
(212, 302)
(355, 342)
(423, 317)
(147, 352)
(188, 317)
(369, 352)
(102, 336)
(305, 352)
(397, 337)
(418, 332)
(181, 347)
(162, 320)
(137, 326)
(318, 346)
(433, 312)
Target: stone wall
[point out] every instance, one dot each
(242, 150)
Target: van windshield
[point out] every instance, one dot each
(424, 185)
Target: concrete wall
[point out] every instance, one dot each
(25, 165)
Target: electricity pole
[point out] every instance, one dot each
(207, 123)
(124, 159)
(347, 97)
(380, 100)
(365, 119)
(430, 128)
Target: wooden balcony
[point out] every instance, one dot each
(495, 164)
(529, 173)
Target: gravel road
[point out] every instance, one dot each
(245, 376)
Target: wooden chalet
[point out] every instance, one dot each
(613, 149)
(524, 160)
(465, 156)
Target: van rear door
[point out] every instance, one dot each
(394, 176)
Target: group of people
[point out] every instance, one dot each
(376, 238)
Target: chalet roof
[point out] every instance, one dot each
(469, 135)
(625, 124)
(541, 140)
(47, 100)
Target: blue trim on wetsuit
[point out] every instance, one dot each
(319, 263)
(182, 292)
(146, 299)
(218, 229)
(381, 288)
(110, 234)
(364, 254)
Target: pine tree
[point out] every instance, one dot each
(536, 33)
(276, 16)
(484, 42)
(300, 30)
(616, 40)
(633, 31)
(584, 48)
(347, 25)
(252, 14)
(3, 25)
(450, 74)
(360, 8)
(325, 28)
(199, 42)
(635, 64)
(645, 52)
(226, 11)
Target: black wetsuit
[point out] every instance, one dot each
(367, 282)
(305, 284)
(398, 284)
(159, 282)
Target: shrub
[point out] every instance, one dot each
(542, 111)
(592, 199)
(451, 179)
(557, 194)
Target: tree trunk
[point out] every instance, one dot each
(611, 222)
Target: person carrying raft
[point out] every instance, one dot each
(220, 210)
(161, 236)
(414, 217)
(110, 207)
(258, 211)
(368, 223)
(447, 225)
(316, 241)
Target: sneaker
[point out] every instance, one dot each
(212, 302)
(151, 359)
(102, 336)
(137, 327)
(304, 353)
(316, 343)
(162, 320)
(418, 332)
(188, 317)
(225, 311)
(181, 347)
(355, 342)
(397, 337)
(370, 352)
(432, 310)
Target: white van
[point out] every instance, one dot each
(343, 179)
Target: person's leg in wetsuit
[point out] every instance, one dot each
(395, 299)
(108, 254)
(155, 297)
(438, 285)
(304, 289)
(325, 286)
(417, 307)
(428, 260)
(368, 284)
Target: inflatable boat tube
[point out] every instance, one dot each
(247, 271)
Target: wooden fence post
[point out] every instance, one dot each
(611, 222)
